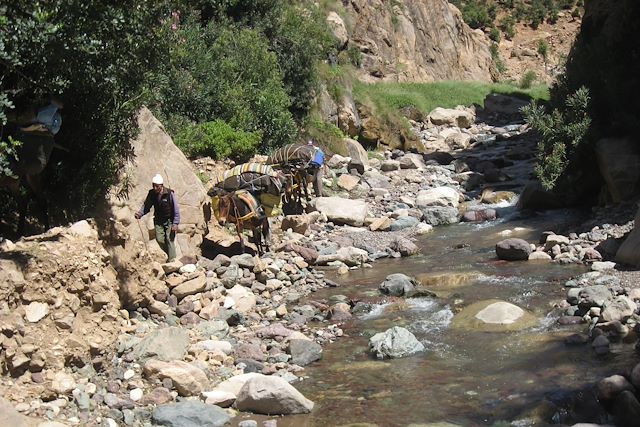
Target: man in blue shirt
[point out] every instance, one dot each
(315, 169)
(166, 215)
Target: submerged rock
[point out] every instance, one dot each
(494, 316)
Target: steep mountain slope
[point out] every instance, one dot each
(413, 40)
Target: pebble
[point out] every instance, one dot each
(136, 394)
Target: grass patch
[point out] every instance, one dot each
(388, 97)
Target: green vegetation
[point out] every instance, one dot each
(498, 63)
(218, 140)
(562, 132)
(483, 13)
(427, 96)
(95, 57)
(248, 66)
(8, 153)
(527, 80)
(597, 97)
(319, 130)
(543, 50)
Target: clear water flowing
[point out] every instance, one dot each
(467, 378)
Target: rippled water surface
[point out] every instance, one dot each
(466, 378)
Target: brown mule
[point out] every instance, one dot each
(242, 209)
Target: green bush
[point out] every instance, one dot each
(494, 34)
(355, 55)
(218, 140)
(478, 15)
(543, 50)
(561, 133)
(527, 80)
(507, 25)
(498, 63)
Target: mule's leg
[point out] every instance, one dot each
(266, 235)
(256, 234)
(239, 229)
(304, 182)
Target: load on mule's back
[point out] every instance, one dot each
(246, 196)
(302, 163)
(261, 180)
(23, 166)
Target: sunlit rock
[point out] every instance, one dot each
(494, 316)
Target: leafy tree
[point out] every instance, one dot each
(94, 56)
(225, 73)
(297, 34)
(543, 50)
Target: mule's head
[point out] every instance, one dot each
(224, 207)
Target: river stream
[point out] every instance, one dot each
(466, 378)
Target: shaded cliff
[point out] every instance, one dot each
(606, 59)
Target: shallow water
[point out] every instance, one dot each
(467, 378)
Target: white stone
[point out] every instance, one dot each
(188, 268)
(603, 265)
(82, 228)
(36, 311)
(136, 394)
(63, 383)
(128, 374)
(423, 228)
(224, 399)
(501, 312)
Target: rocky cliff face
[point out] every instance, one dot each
(412, 40)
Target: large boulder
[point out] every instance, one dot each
(155, 152)
(460, 117)
(513, 249)
(397, 285)
(438, 196)
(342, 211)
(190, 413)
(406, 41)
(619, 163)
(272, 395)
(629, 251)
(338, 29)
(534, 196)
(503, 104)
(493, 316)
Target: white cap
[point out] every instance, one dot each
(157, 179)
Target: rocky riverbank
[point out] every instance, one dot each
(90, 338)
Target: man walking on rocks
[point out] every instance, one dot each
(166, 215)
